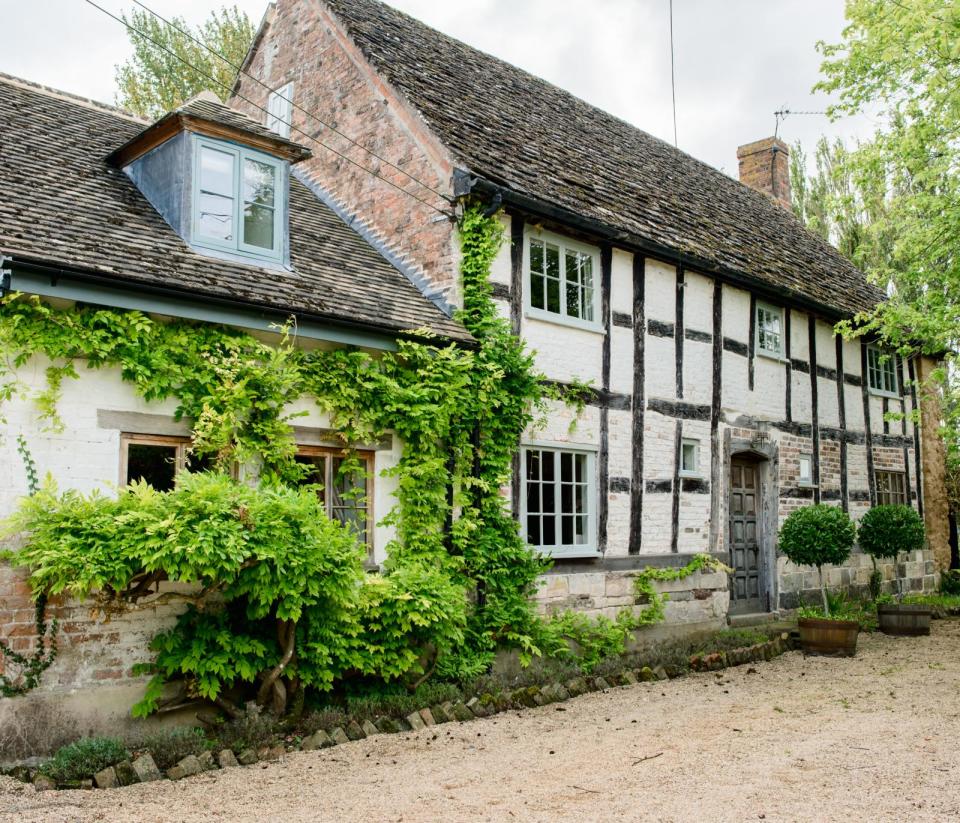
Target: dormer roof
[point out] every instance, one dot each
(205, 114)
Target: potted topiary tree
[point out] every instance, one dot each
(884, 532)
(816, 536)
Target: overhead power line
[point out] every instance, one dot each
(310, 137)
(240, 72)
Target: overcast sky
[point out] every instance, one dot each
(737, 61)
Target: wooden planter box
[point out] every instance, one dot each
(835, 638)
(905, 621)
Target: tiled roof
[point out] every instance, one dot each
(61, 203)
(537, 140)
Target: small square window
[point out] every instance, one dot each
(805, 475)
(882, 372)
(770, 330)
(690, 457)
(891, 488)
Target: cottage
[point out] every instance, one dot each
(200, 217)
(698, 306)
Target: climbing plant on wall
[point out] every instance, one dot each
(459, 411)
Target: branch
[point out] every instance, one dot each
(286, 636)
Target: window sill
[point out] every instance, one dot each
(880, 393)
(563, 320)
(769, 355)
(692, 476)
(567, 554)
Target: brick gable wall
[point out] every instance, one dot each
(303, 43)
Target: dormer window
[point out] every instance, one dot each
(220, 179)
(237, 199)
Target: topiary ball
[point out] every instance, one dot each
(817, 535)
(885, 531)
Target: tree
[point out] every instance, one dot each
(158, 78)
(843, 208)
(903, 58)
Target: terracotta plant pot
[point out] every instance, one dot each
(835, 638)
(907, 621)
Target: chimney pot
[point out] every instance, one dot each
(765, 166)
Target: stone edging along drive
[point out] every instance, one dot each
(143, 769)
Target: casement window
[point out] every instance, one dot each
(562, 281)
(882, 372)
(280, 110)
(690, 458)
(156, 459)
(770, 340)
(344, 486)
(891, 488)
(559, 501)
(238, 200)
(805, 474)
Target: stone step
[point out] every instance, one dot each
(743, 621)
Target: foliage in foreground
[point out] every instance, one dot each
(281, 602)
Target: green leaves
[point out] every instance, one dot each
(159, 78)
(885, 531)
(817, 535)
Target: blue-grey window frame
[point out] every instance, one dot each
(240, 154)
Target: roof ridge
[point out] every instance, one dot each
(86, 102)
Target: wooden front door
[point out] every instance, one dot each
(746, 584)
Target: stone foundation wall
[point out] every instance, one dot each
(914, 572)
(701, 598)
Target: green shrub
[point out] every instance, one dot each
(816, 536)
(886, 531)
(169, 746)
(83, 759)
(950, 582)
(267, 560)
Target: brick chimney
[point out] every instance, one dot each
(765, 166)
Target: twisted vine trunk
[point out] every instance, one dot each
(823, 593)
(273, 688)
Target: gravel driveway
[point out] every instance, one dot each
(872, 738)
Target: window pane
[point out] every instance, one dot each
(566, 530)
(549, 532)
(536, 256)
(537, 299)
(688, 460)
(553, 296)
(566, 498)
(566, 467)
(533, 497)
(580, 537)
(216, 172)
(533, 465)
(573, 300)
(216, 216)
(587, 304)
(155, 464)
(259, 182)
(533, 531)
(258, 226)
(548, 465)
(316, 475)
(553, 262)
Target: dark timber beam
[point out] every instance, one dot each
(606, 262)
(639, 404)
(814, 406)
(715, 404)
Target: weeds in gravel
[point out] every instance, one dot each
(85, 757)
(171, 745)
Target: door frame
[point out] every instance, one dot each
(765, 454)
